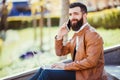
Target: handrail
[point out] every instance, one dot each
(22, 74)
(112, 48)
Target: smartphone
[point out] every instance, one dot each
(68, 25)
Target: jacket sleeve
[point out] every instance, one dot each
(60, 49)
(94, 48)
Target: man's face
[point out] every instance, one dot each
(76, 18)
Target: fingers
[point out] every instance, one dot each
(54, 65)
(63, 26)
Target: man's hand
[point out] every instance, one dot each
(62, 31)
(58, 66)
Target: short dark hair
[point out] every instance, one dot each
(3, 1)
(78, 4)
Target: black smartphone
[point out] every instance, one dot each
(68, 25)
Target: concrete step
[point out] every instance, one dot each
(113, 70)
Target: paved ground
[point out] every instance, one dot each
(113, 70)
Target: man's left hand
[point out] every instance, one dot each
(58, 66)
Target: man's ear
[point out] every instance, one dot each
(85, 15)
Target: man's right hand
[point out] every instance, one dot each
(62, 31)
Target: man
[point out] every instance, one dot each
(85, 47)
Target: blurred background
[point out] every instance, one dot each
(28, 28)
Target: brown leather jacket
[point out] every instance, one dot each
(89, 59)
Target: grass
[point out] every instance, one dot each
(110, 36)
(20, 41)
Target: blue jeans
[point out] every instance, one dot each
(49, 74)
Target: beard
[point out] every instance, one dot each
(76, 26)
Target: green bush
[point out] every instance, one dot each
(108, 19)
(18, 24)
(54, 21)
(24, 24)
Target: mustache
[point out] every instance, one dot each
(74, 20)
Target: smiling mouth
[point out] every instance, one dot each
(73, 22)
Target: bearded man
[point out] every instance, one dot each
(85, 47)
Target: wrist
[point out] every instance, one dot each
(58, 37)
(65, 66)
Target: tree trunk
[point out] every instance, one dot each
(64, 18)
(41, 28)
(106, 3)
(34, 21)
(3, 22)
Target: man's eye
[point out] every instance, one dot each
(76, 13)
(70, 14)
